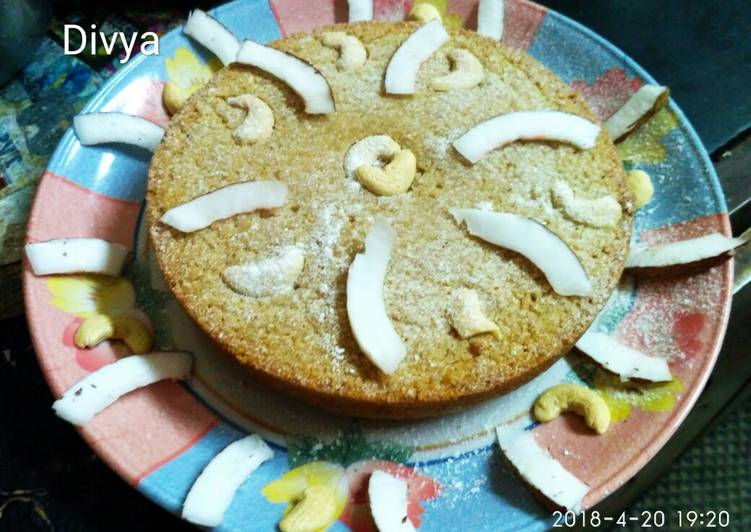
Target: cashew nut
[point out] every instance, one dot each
(370, 150)
(424, 12)
(577, 399)
(259, 119)
(267, 277)
(313, 512)
(466, 315)
(600, 212)
(640, 184)
(394, 178)
(466, 72)
(100, 327)
(352, 53)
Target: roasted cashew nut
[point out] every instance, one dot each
(259, 118)
(466, 315)
(352, 54)
(599, 212)
(365, 158)
(577, 399)
(466, 72)
(369, 150)
(424, 12)
(100, 327)
(394, 178)
(314, 511)
(640, 184)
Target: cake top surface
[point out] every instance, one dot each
(302, 339)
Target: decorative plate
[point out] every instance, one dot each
(160, 438)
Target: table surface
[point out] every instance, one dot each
(49, 479)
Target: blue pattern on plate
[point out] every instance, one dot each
(104, 169)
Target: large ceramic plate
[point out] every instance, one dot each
(160, 438)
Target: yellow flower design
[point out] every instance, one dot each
(290, 487)
(449, 21)
(622, 396)
(86, 295)
(186, 74)
(645, 144)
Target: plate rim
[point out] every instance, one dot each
(641, 457)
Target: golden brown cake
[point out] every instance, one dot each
(301, 341)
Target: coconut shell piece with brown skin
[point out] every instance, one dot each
(691, 257)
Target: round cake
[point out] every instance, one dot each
(300, 340)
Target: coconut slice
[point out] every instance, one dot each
(622, 360)
(366, 309)
(105, 128)
(538, 467)
(267, 277)
(401, 72)
(638, 109)
(212, 34)
(527, 237)
(526, 125)
(224, 203)
(490, 18)
(388, 502)
(301, 77)
(213, 490)
(76, 255)
(106, 385)
(683, 256)
(360, 10)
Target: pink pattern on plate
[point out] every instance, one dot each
(356, 514)
(147, 427)
(651, 326)
(297, 17)
(608, 92)
(521, 20)
(142, 97)
(85, 213)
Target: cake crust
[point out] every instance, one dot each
(301, 342)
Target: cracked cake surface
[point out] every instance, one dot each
(300, 340)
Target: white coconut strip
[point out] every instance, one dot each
(644, 103)
(366, 309)
(301, 77)
(106, 385)
(401, 72)
(76, 255)
(622, 360)
(212, 34)
(104, 128)
(490, 18)
(213, 490)
(681, 252)
(388, 502)
(224, 203)
(360, 10)
(526, 125)
(544, 248)
(538, 467)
